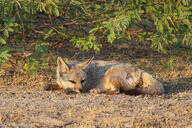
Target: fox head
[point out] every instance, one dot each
(73, 77)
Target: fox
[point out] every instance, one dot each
(98, 76)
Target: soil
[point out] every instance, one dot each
(24, 102)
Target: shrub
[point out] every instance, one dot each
(88, 23)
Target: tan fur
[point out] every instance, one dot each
(105, 77)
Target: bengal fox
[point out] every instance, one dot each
(105, 77)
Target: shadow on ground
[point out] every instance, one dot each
(178, 85)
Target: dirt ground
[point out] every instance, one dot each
(24, 103)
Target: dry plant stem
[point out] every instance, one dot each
(75, 55)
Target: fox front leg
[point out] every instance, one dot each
(52, 86)
(100, 91)
(110, 85)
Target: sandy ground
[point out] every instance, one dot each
(24, 103)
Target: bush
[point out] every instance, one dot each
(163, 22)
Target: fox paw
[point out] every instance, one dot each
(99, 91)
(69, 91)
(48, 87)
(51, 86)
(96, 91)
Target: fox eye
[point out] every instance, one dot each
(82, 81)
(72, 81)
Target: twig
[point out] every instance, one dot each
(133, 32)
(20, 19)
(75, 55)
(84, 11)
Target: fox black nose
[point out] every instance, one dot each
(80, 89)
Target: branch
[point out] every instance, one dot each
(155, 3)
(93, 2)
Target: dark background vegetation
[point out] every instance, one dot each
(31, 27)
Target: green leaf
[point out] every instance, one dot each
(141, 37)
(2, 40)
(6, 33)
(160, 27)
(26, 66)
(76, 2)
(10, 29)
(187, 22)
(56, 11)
(48, 34)
(111, 37)
(94, 29)
(12, 24)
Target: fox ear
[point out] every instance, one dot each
(62, 66)
(85, 64)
